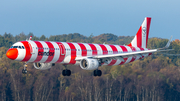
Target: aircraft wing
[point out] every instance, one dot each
(128, 54)
(123, 55)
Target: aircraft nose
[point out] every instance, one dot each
(12, 53)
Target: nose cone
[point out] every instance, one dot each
(12, 53)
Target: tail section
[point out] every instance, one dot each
(141, 38)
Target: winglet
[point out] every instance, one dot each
(168, 43)
(30, 37)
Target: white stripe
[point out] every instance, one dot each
(89, 52)
(109, 49)
(22, 52)
(144, 33)
(134, 42)
(68, 53)
(78, 53)
(35, 51)
(130, 58)
(44, 57)
(56, 52)
(119, 49)
(137, 57)
(99, 50)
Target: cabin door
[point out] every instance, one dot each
(62, 49)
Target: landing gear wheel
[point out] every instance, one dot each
(66, 72)
(97, 72)
(24, 71)
(53, 64)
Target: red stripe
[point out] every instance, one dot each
(134, 57)
(83, 49)
(73, 53)
(142, 49)
(129, 44)
(124, 50)
(94, 50)
(125, 59)
(28, 48)
(148, 27)
(150, 53)
(139, 37)
(104, 49)
(114, 51)
(52, 50)
(62, 51)
(39, 46)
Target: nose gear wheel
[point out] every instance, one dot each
(24, 71)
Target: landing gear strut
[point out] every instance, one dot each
(66, 72)
(24, 71)
(97, 72)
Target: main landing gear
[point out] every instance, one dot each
(66, 72)
(97, 72)
(24, 71)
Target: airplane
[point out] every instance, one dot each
(44, 54)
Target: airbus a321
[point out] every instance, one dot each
(44, 54)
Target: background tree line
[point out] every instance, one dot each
(155, 78)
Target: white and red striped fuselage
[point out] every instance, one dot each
(66, 52)
(43, 54)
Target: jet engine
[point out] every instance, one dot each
(43, 66)
(89, 64)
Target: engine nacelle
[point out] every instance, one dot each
(89, 64)
(43, 66)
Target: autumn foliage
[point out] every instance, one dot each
(155, 78)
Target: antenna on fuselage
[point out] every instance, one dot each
(29, 38)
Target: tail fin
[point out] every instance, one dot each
(141, 38)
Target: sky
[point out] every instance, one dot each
(119, 17)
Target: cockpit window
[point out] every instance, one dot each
(20, 47)
(15, 47)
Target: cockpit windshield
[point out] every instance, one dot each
(20, 47)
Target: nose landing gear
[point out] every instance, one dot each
(24, 71)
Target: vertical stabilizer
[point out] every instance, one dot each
(141, 38)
